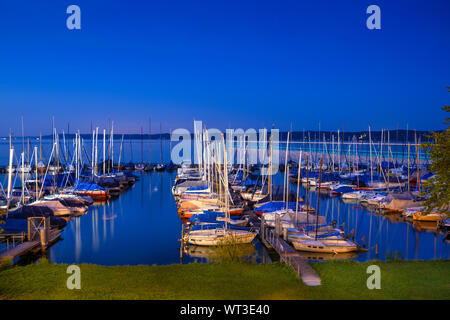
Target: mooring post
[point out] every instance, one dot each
(261, 229)
(353, 234)
(29, 229)
(376, 250)
(343, 227)
(285, 233)
(364, 241)
(43, 235)
(277, 225)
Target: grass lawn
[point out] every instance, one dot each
(340, 280)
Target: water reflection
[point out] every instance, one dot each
(141, 226)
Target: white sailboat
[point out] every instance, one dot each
(334, 243)
(221, 235)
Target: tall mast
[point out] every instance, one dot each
(318, 196)
(160, 140)
(120, 153)
(298, 185)
(150, 140)
(370, 148)
(408, 164)
(307, 192)
(104, 151)
(285, 167)
(36, 171)
(417, 154)
(142, 146)
(339, 151)
(225, 172)
(23, 177)
(112, 147)
(23, 137)
(11, 155)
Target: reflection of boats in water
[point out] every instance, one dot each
(200, 252)
(425, 226)
(322, 256)
(97, 203)
(194, 251)
(394, 218)
(110, 217)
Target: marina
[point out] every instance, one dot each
(247, 151)
(146, 212)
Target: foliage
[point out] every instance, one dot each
(437, 188)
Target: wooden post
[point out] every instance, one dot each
(376, 250)
(182, 243)
(343, 227)
(43, 236)
(285, 233)
(353, 234)
(262, 228)
(364, 241)
(29, 229)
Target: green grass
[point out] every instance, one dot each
(340, 280)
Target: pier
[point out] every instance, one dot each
(272, 239)
(39, 236)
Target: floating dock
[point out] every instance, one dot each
(289, 255)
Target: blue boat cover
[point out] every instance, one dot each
(275, 205)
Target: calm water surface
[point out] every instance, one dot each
(141, 226)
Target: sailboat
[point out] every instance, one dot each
(160, 166)
(221, 234)
(323, 242)
(141, 165)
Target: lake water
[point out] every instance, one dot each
(141, 226)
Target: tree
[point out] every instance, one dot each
(437, 188)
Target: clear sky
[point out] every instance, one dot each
(229, 63)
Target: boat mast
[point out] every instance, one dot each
(225, 171)
(318, 196)
(389, 159)
(307, 192)
(160, 141)
(285, 167)
(150, 140)
(36, 171)
(409, 146)
(370, 150)
(298, 185)
(120, 152)
(104, 151)
(417, 155)
(11, 155)
(339, 152)
(23, 177)
(112, 146)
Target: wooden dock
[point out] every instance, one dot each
(273, 240)
(29, 246)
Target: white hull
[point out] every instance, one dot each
(327, 246)
(217, 237)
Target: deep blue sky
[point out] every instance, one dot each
(228, 63)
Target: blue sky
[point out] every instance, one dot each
(228, 63)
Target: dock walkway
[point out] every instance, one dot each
(290, 256)
(28, 246)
